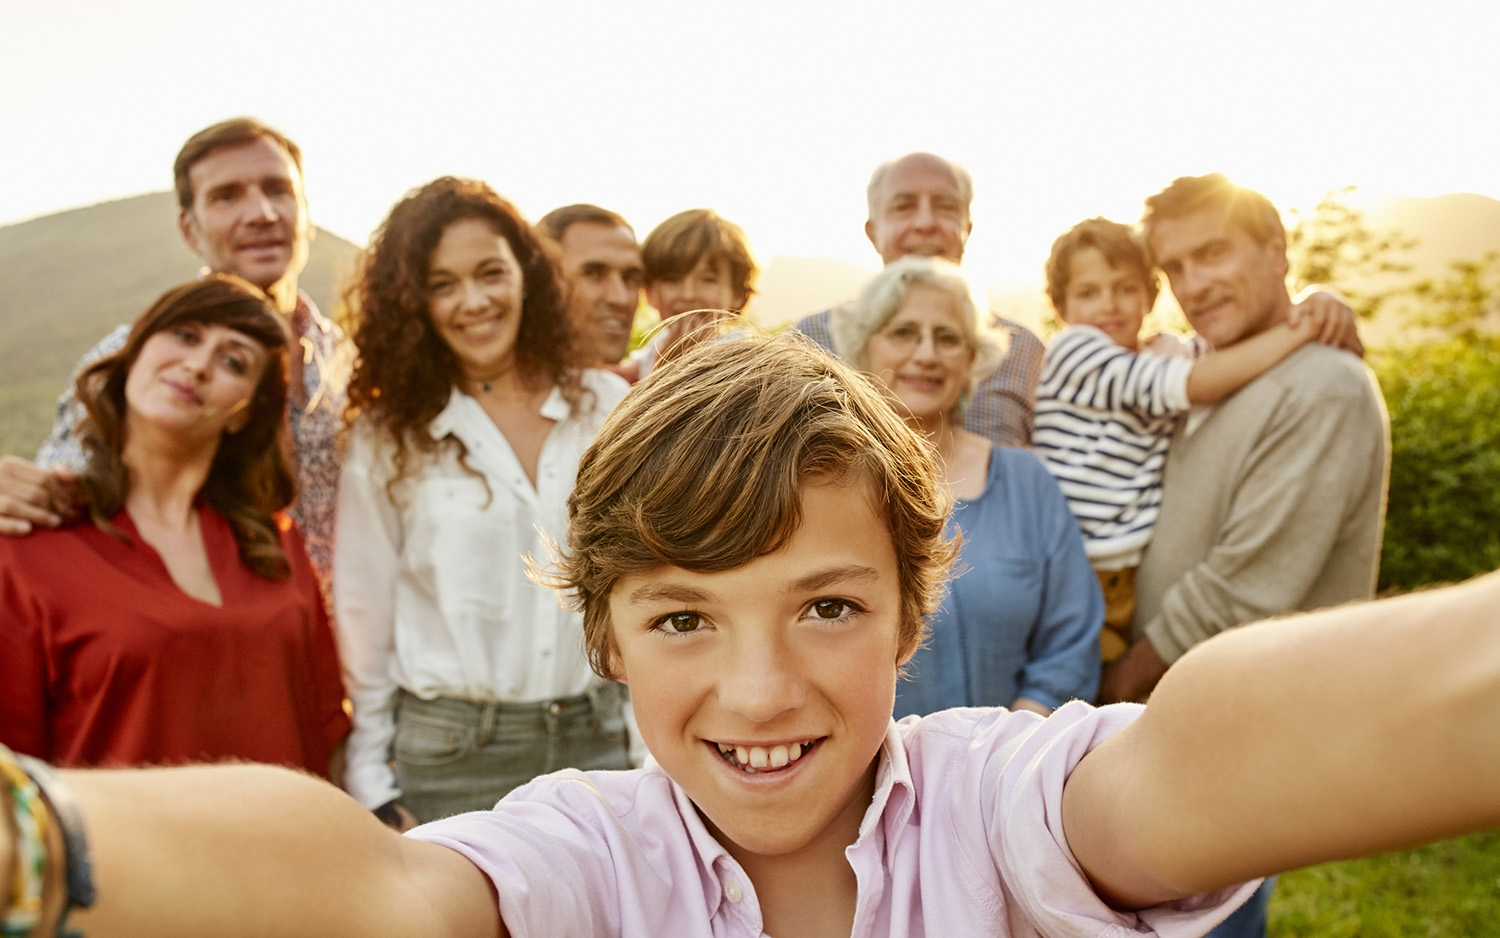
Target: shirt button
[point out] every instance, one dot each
(546, 652)
(555, 709)
(733, 892)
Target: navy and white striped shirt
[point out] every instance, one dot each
(1104, 418)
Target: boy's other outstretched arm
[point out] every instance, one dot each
(1335, 734)
(254, 850)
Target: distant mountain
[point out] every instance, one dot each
(1448, 227)
(67, 279)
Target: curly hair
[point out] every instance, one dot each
(702, 467)
(404, 372)
(248, 481)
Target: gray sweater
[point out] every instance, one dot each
(1274, 504)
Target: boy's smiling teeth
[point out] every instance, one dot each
(759, 758)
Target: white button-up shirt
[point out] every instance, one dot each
(431, 592)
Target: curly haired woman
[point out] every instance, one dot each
(470, 414)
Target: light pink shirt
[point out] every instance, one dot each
(963, 837)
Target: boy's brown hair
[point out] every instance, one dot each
(674, 248)
(1119, 244)
(702, 467)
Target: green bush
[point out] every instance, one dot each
(1443, 519)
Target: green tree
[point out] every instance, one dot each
(1443, 392)
(1443, 514)
(1461, 304)
(1334, 245)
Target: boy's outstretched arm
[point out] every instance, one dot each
(1341, 733)
(255, 850)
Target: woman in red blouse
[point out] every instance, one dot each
(179, 620)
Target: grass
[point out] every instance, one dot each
(1446, 889)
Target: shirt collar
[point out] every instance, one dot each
(461, 408)
(890, 809)
(307, 319)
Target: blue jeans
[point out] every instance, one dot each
(1249, 920)
(454, 755)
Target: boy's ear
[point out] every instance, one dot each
(616, 667)
(907, 649)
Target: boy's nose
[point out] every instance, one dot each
(761, 682)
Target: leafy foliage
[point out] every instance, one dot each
(1461, 304)
(1333, 244)
(1443, 516)
(1442, 525)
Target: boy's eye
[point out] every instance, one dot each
(680, 623)
(830, 609)
(237, 364)
(185, 334)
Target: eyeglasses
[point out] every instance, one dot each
(906, 336)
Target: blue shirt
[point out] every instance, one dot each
(1022, 617)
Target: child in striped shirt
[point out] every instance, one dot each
(1110, 397)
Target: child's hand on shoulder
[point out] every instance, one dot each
(1168, 345)
(1324, 315)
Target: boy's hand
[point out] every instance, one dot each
(1332, 319)
(1133, 675)
(1167, 345)
(32, 496)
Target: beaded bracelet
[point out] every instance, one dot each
(39, 800)
(24, 910)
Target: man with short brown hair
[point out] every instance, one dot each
(1274, 500)
(242, 211)
(601, 268)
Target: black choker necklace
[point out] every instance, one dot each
(488, 384)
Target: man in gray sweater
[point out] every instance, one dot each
(1274, 499)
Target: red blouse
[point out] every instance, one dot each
(105, 661)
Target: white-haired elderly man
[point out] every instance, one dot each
(919, 204)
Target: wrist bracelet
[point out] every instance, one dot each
(80, 878)
(24, 906)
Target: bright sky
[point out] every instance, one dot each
(771, 112)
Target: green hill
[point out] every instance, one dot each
(67, 279)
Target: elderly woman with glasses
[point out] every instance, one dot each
(1020, 624)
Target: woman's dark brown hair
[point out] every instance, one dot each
(405, 372)
(248, 481)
